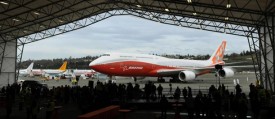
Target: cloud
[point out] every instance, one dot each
(131, 34)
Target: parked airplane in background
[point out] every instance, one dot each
(68, 74)
(40, 72)
(56, 71)
(37, 72)
(26, 72)
(140, 66)
(86, 73)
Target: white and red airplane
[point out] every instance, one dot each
(41, 72)
(142, 65)
(87, 73)
(26, 72)
(62, 69)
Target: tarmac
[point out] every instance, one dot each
(71, 111)
(200, 83)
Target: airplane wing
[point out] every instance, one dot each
(166, 72)
(234, 63)
(242, 67)
(202, 70)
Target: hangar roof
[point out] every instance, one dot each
(20, 18)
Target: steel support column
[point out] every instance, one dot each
(2, 51)
(7, 60)
(266, 37)
(253, 41)
(262, 44)
(20, 50)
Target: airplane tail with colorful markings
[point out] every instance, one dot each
(63, 67)
(217, 56)
(30, 67)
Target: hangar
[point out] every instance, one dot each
(27, 21)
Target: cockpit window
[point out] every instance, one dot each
(106, 55)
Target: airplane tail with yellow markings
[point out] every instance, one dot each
(217, 56)
(63, 67)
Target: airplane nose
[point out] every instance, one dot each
(96, 64)
(93, 64)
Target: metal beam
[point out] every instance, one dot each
(2, 54)
(20, 51)
(262, 44)
(181, 21)
(253, 42)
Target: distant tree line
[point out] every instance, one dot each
(73, 63)
(207, 56)
(83, 62)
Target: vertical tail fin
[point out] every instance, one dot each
(63, 67)
(217, 56)
(30, 67)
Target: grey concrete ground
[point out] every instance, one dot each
(71, 111)
(202, 82)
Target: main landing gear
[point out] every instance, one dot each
(161, 79)
(111, 79)
(135, 79)
(175, 80)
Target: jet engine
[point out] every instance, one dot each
(187, 75)
(226, 72)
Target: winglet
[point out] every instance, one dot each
(217, 56)
(63, 67)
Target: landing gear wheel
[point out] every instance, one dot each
(175, 80)
(135, 79)
(158, 80)
(161, 80)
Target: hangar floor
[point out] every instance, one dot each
(71, 111)
(201, 83)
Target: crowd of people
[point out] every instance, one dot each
(217, 102)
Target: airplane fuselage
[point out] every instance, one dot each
(142, 65)
(52, 71)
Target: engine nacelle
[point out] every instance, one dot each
(226, 72)
(187, 75)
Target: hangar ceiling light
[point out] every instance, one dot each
(167, 10)
(138, 5)
(36, 13)
(4, 3)
(189, 1)
(194, 13)
(226, 18)
(228, 5)
(15, 19)
(60, 20)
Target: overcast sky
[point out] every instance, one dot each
(129, 34)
